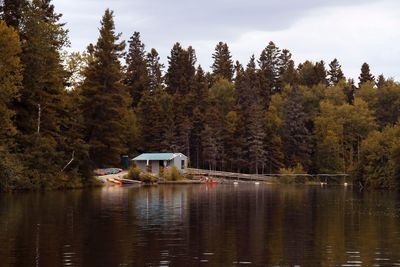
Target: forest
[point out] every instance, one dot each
(62, 114)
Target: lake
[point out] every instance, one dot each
(200, 225)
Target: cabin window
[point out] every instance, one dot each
(182, 164)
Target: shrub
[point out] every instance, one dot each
(172, 174)
(134, 174)
(147, 178)
(288, 177)
(11, 172)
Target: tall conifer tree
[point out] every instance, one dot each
(223, 64)
(11, 11)
(271, 68)
(296, 136)
(137, 78)
(106, 104)
(335, 72)
(365, 75)
(154, 69)
(39, 109)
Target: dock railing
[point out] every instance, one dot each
(323, 177)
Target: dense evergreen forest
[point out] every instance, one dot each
(63, 114)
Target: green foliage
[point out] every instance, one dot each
(147, 178)
(134, 173)
(365, 75)
(311, 74)
(380, 159)
(172, 174)
(106, 103)
(10, 81)
(223, 64)
(12, 173)
(335, 72)
(296, 135)
(288, 175)
(137, 78)
(60, 116)
(11, 11)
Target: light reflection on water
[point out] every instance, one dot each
(223, 225)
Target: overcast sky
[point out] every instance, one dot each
(354, 31)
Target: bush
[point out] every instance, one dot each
(172, 174)
(147, 178)
(288, 177)
(134, 174)
(11, 172)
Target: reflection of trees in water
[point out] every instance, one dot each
(276, 225)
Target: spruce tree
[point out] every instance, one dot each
(256, 136)
(365, 75)
(335, 72)
(150, 131)
(137, 79)
(287, 70)
(320, 73)
(350, 91)
(223, 64)
(311, 74)
(40, 107)
(270, 66)
(181, 69)
(154, 69)
(380, 81)
(106, 104)
(296, 136)
(11, 11)
(198, 100)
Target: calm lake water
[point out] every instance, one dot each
(198, 225)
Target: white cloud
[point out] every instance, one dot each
(353, 35)
(354, 32)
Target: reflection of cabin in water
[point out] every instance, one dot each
(153, 162)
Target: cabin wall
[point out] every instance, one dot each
(177, 161)
(142, 165)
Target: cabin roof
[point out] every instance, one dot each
(157, 156)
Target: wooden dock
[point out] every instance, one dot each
(264, 177)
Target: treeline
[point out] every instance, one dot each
(62, 116)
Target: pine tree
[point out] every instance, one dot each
(198, 100)
(256, 136)
(154, 69)
(335, 72)
(106, 104)
(11, 11)
(311, 74)
(223, 64)
(365, 75)
(150, 131)
(380, 81)
(181, 69)
(320, 73)
(287, 71)
(40, 107)
(350, 91)
(137, 79)
(270, 66)
(296, 136)
(274, 157)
